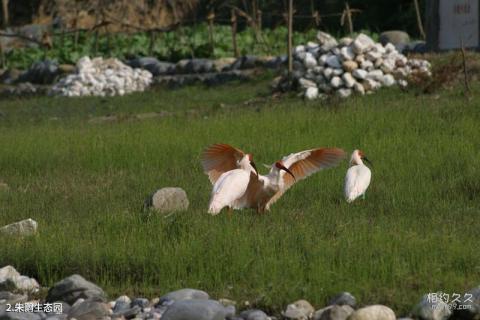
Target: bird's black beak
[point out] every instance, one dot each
(254, 167)
(289, 172)
(369, 162)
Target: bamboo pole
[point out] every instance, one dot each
(289, 44)
(419, 19)
(5, 13)
(233, 19)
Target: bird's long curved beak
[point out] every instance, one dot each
(369, 162)
(254, 167)
(288, 171)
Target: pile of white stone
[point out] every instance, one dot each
(102, 77)
(349, 66)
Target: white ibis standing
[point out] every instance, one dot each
(358, 177)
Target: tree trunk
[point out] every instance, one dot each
(289, 44)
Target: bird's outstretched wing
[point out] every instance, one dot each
(219, 158)
(305, 163)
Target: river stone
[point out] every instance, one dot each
(253, 314)
(73, 288)
(309, 61)
(376, 75)
(122, 303)
(362, 43)
(348, 80)
(358, 88)
(89, 310)
(388, 80)
(326, 41)
(394, 37)
(366, 65)
(141, 302)
(183, 294)
(197, 310)
(427, 309)
(350, 65)
(345, 41)
(25, 227)
(347, 53)
(333, 62)
(334, 312)
(311, 93)
(168, 200)
(470, 302)
(336, 82)
(299, 310)
(359, 74)
(305, 83)
(344, 93)
(375, 312)
(12, 280)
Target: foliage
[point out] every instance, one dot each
(185, 42)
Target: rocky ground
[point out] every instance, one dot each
(76, 298)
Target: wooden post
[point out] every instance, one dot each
(233, 19)
(349, 18)
(419, 19)
(5, 13)
(210, 18)
(289, 44)
(259, 20)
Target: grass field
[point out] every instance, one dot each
(416, 232)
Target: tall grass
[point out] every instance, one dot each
(416, 232)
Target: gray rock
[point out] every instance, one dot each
(25, 227)
(153, 65)
(4, 315)
(122, 303)
(344, 298)
(200, 66)
(305, 83)
(41, 72)
(334, 312)
(89, 310)
(12, 280)
(253, 314)
(429, 309)
(394, 37)
(10, 76)
(344, 93)
(141, 302)
(183, 294)
(128, 313)
(375, 312)
(74, 287)
(168, 200)
(11, 298)
(197, 310)
(470, 305)
(299, 310)
(245, 62)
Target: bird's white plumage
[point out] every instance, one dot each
(229, 187)
(357, 179)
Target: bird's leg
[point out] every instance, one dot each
(363, 196)
(230, 212)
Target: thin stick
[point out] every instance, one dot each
(5, 13)
(419, 20)
(289, 44)
(210, 18)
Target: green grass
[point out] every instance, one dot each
(416, 232)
